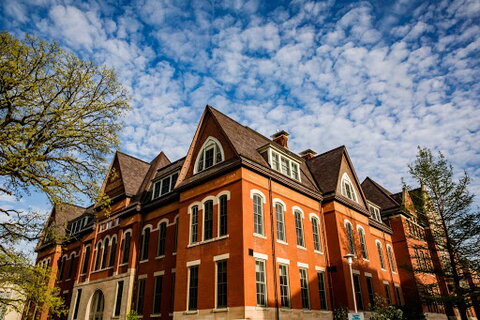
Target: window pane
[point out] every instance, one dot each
(371, 293)
(105, 253)
(165, 185)
(118, 301)
(299, 228)
(392, 261)
(156, 189)
(140, 296)
(322, 291)
(380, 254)
(284, 286)
(193, 288)
(260, 283)
(351, 242)
(157, 297)
(316, 235)
(358, 291)
(387, 293)
(363, 244)
(162, 235)
(295, 171)
(275, 162)
(280, 222)
(86, 261)
(77, 303)
(258, 214)
(194, 225)
(222, 284)
(285, 166)
(223, 215)
(304, 289)
(145, 244)
(126, 248)
(209, 153)
(208, 220)
(174, 180)
(113, 252)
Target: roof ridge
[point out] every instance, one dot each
(329, 151)
(133, 157)
(383, 190)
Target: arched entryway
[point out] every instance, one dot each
(97, 305)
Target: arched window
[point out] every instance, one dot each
(105, 253)
(70, 266)
(350, 239)
(98, 256)
(96, 308)
(145, 243)
(258, 227)
(208, 220)
(194, 224)
(299, 228)
(113, 252)
(126, 247)
(210, 154)
(316, 234)
(380, 254)
(363, 243)
(347, 188)
(391, 258)
(175, 234)
(280, 212)
(61, 269)
(222, 216)
(162, 236)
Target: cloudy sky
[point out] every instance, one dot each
(380, 77)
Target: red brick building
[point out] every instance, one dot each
(240, 228)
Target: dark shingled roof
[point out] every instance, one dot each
(326, 167)
(158, 162)
(133, 172)
(246, 141)
(379, 195)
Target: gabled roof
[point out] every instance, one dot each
(133, 171)
(157, 163)
(326, 169)
(245, 143)
(379, 195)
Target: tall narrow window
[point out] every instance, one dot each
(371, 292)
(358, 291)
(295, 174)
(175, 235)
(194, 225)
(284, 286)
(140, 295)
(70, 266)
(162, 235)
(221, 284)
(145, 244)
(157, 296)
(113, 252)
(299, 228)
(398, 295)
(316, 235)
(258, 214)
(99, 256)
(118, 299)
(391, 260)
(347, 188)
(105, 253)
(210, 154)
(285, 166)
(208, 220)
(280, 212)
(275, 161)
(86, 259)
(304, 289)
(126, 247)
(77, 303)
(322, 290)
(387, 293)
(223, 216)
(363, 243)
(380, 254)
(350, 239)
(261, 283)
(192, 287)
(172, 293)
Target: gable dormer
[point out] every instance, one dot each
(282, 161)
(348, 185)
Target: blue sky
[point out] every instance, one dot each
(380, 77)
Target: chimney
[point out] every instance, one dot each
(281, 138)
(308, 154)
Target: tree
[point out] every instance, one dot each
(59, 119)
(455, 226)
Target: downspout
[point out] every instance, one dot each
(274, 258)
(327, 258)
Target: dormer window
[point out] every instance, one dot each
(164, 185)
(210, 154)
(347, 188)
(284, 164)
(375, 212)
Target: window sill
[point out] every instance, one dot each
(123, 264)
(206, 241)
(159, 257)
(366, 260)
(318, 252)
(156, 315)
(259, 235)
(220, 310)
(384, 269)
(285, 309)
(262, 308)
(174, 253)
(282, 242)
(307, 310)
(191, 312)
(143, 261)
(300, 247)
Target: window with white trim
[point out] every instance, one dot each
(347, 188)
(363, 243)
(299, 228)
(162, 236)
(304, 288)
(258, 227)
(127, 239)
(208, 220)
(222, 215)
(284, 286)
(210, 154)
(350, 239)
(145, 244)
(380, 254)
(105, 253)
(221, 284)
(261, 283)
(316, 234)
(194, 224)
(322, 290)
(113, 252)
(165, 185)
(358, 291)
(391, 259)
(192, 287)
(375, 212)
(284, 164)
(280, 212)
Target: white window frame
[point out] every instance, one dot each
(286, 266)
(263, 261)
(158, 183)
(363, 246)
(315, 217)
(354, 249)
(391, 258)
(347, 181)
(262, 197)
(381, 255)
(284, 207)
(289, 160)
(205, 147)
(296, 209)
(375, 212)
